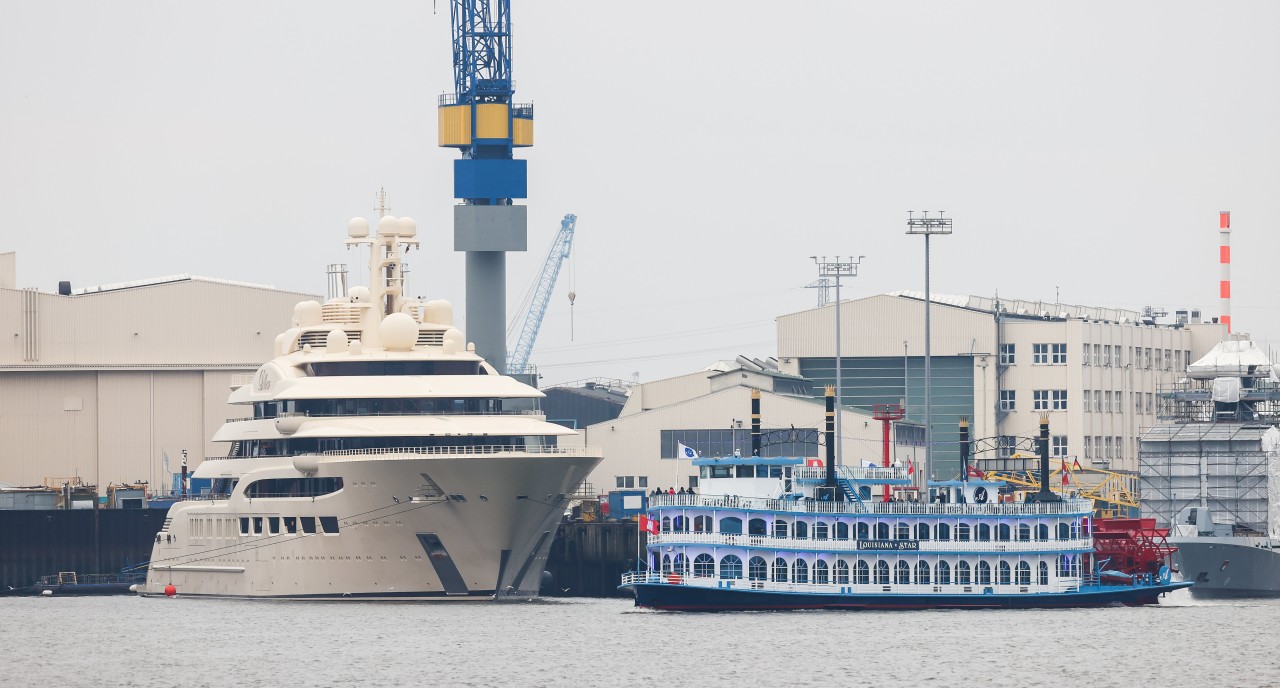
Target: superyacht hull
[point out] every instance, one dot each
(401, 527)
(1229, 566)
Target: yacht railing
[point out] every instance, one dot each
(524, 412)
(394, 452)
(851, 545)
(1066, 506)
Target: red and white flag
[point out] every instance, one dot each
(1066, 477)
(975, 473)
(911, 466)
(814, 463)
(648, 525)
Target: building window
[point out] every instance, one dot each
(1097, 401)
(621, 482)
(1107, 406)
(1168, 359)
(1088, 447)
(1146, 359)
(1097, 353)
(1008, 400)
(1059, 352)
(1040, 400)
(1137, 402)
(1107, 444)
(1039, 353)
(1106, 355)
(1007, 354)
(1150, 406)
(1119, 449)
(1058, 446)
(1088, 401)
(643, 482)
(1084, 354)
(1059, 397)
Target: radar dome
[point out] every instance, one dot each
(408, 228)
(438, 311)
(453, 341)
(357, 228)
(358, 294)
(336, 342)
(356, 347)
(388, 226)
(399, 332)
(307, 313)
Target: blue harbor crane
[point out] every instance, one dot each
(481, 121)
(541, 295)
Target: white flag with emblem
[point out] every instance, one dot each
(685, 452)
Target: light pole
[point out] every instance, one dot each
(928, 226)
(829, 270)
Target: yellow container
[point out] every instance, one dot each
(523, 134)
(455, 125)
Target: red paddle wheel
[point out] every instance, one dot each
(1131, 545)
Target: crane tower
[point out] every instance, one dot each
(481, 121)
(540, 295)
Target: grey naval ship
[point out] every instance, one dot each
(1210, 472)
(383, 459)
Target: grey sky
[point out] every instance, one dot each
(707, 148)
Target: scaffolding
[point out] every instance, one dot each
(1223, 467)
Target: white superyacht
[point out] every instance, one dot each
(384, 459)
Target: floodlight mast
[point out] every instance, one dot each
(830, 270)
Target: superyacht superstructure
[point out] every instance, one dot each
(383, 459)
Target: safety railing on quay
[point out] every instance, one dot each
(1064, 507)
(666, 538)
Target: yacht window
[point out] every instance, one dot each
(329, 524)
(746, 471)
(292, 487)
(290, 524)
(842, 531)
(758, 569)
(257, 525)
(801, 571)
(780, 570)
(944, 531)
(722, 471)
(902, 573)
(922, 573)
(775, 471)
(731, 525)
(244, 525)
(762, 471)
(309, 525)
(802, 529)
(842, 572)
(962, 573)
(820, 572)
(944, 573)
(273, 525)
(1044, 573)
(757, 526)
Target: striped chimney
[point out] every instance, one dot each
(1224, 257)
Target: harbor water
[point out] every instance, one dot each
(129, 641)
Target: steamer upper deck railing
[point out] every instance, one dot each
(1065, 507)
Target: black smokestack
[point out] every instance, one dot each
(755, 422)
(831, 436)
(1045, 494)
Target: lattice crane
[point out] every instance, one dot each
(541, 295)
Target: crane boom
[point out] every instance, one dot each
(556, 256)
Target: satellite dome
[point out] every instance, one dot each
(307, 313)
(357, 228)
(358, 294)
(336, 342)
(399, 332)
(388, 226)
(453, 341)
(408, 228)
